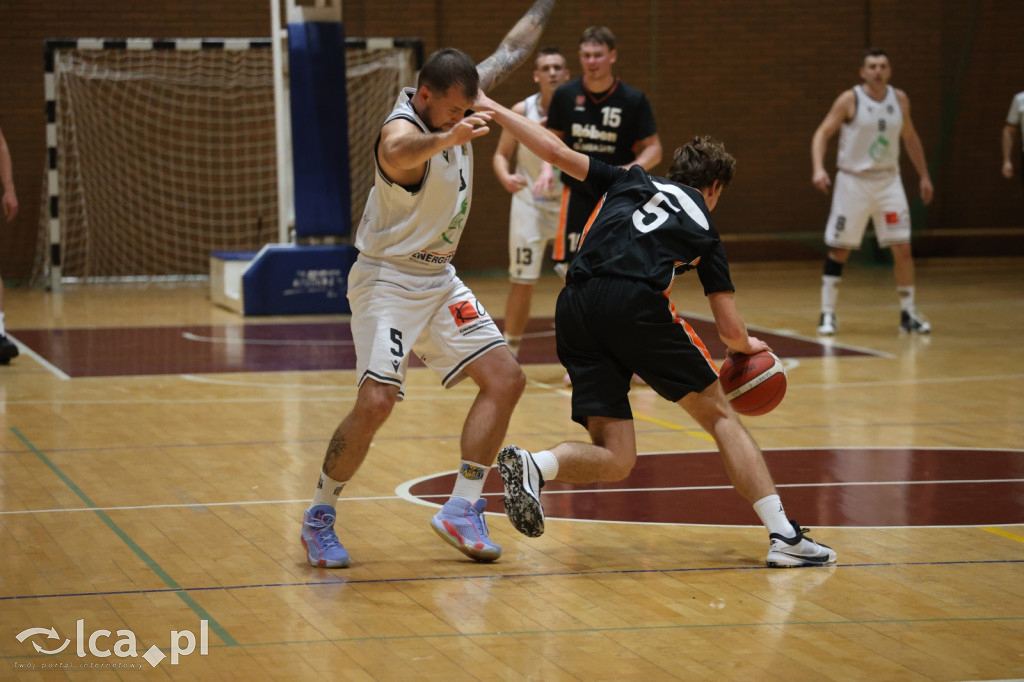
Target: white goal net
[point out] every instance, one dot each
(163, 151)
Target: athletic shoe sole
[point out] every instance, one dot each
(447, 531)
(522, 504)
(783, 560)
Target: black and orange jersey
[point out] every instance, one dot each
(649, 229)
(605, 125)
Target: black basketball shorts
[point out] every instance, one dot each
(609, 329)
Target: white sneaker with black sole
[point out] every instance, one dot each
(800, 550)
(523, 482)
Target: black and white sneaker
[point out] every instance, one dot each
(8, 350)
(523, 482)
(913, 322)
(799, 550)
(827, 324)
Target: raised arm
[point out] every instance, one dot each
(404, 148)
(536, 138)
(516, 46)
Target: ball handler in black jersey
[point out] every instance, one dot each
(614, 318)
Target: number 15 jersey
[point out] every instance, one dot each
(648, 229)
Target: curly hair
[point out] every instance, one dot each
(700, 162)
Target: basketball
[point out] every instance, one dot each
(754, 384)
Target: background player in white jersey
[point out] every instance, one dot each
(536, 201)
(8, 350)
(614, 318)
(406, 297)
(1014, 124)
(873, 118)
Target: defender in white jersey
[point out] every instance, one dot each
(873, 118)
(406, 297)
(1014, 123)
(536, 201)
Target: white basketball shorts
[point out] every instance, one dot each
(435, 316)
(857, 198)
(532, 224)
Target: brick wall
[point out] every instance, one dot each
(758, 75)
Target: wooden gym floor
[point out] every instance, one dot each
(157, 453)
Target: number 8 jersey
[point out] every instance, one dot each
(648, 229)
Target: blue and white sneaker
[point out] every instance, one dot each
(323, 549)
(462, 525)
(798, 550)
(523, 482)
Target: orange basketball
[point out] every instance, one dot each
(754, 384)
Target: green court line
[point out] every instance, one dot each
(216, 627)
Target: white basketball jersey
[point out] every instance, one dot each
(871, 140)
(418, 227)
(529, 164)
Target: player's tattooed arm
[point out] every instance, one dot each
(518, 44)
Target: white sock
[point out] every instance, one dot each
(906, 298)
(2, 332)
(469, 483)
(773, 516)
(829, 292)
(513, 344)
(327, 491)
(547, 463)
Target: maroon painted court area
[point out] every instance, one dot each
(134, 351)
(885, 487)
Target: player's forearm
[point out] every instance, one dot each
(732, 330)
(412, 150)
(6, 168)
(516, 47)
(818, 143)
(502, 167)
(916, 153)
(649, 156)
(538, 139)
(1007, 143)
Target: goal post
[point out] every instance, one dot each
(160, 151)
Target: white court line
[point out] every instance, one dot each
(191, 505)
(25, 350)
(910, 382)
(790, 334)
(189, 336)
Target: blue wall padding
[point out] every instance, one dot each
(319, 113)
(298, 280)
